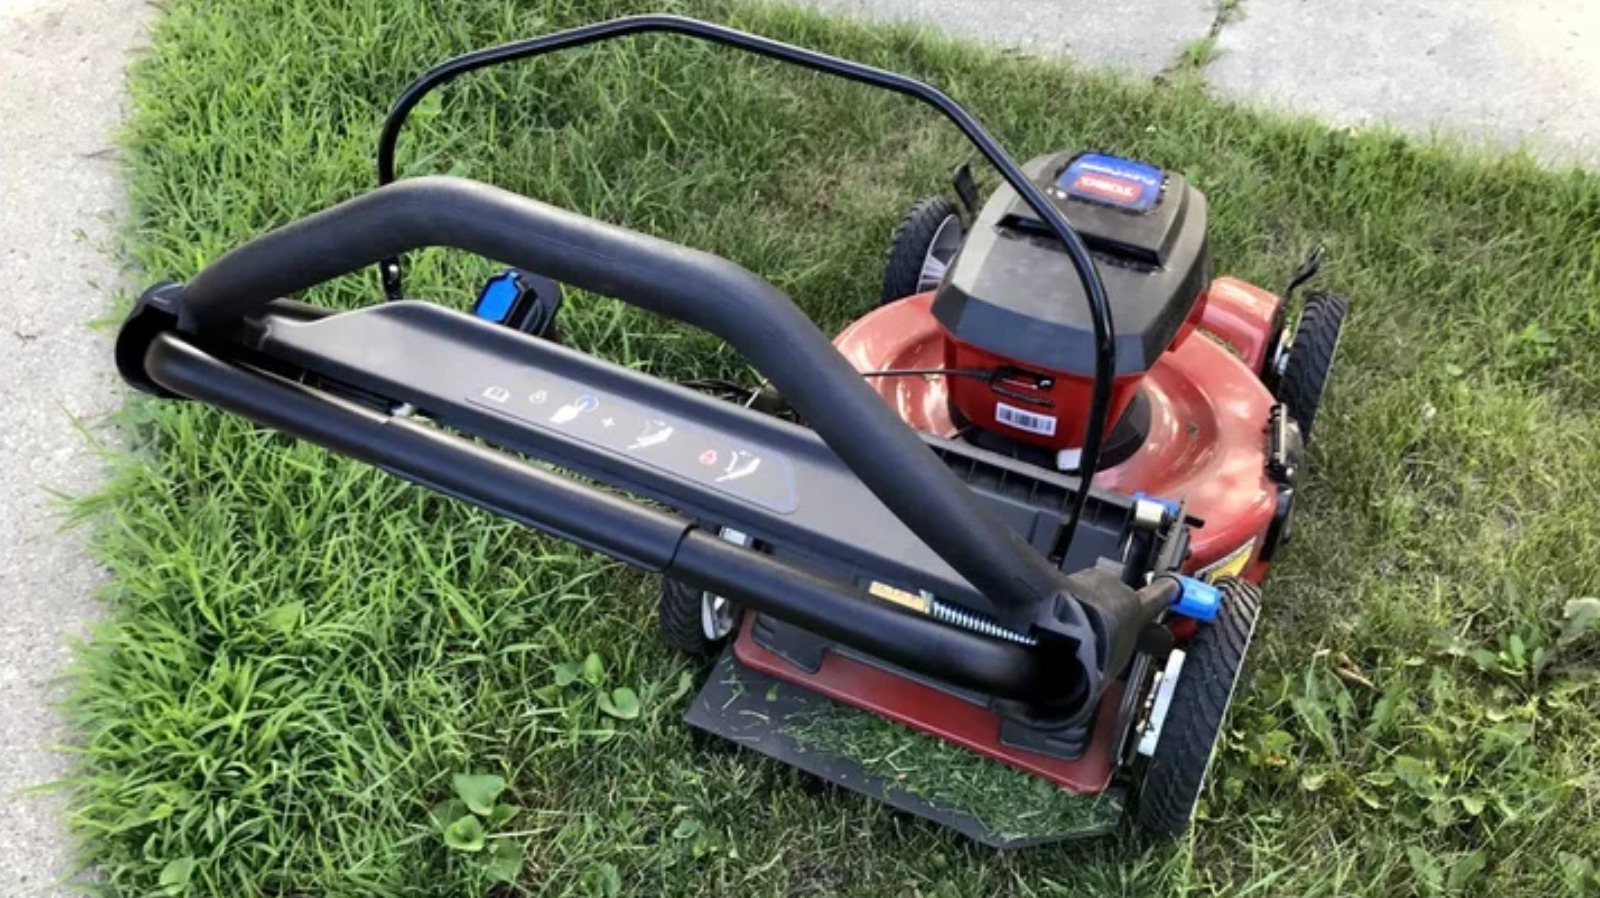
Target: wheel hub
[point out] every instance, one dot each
(946, 241)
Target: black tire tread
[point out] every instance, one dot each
(1176, 773)
(1316, 340)
(678, 611)
(908, 247)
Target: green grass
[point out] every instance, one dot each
(301, 653)
(1009, 803)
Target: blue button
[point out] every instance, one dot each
(498, 297)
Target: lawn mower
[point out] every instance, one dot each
(1022, 506)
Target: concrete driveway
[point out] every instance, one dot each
(1501, 71)
(61, 67)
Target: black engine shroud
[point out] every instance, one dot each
(1012, 290)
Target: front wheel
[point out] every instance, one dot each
(923, 245)
(1187, 739)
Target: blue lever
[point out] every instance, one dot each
(1198, 599)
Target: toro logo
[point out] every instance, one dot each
(1110, 188)
(1109, 180)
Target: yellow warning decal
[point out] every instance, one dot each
(899, 596)
(1229, 565)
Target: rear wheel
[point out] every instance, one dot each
(1310, 357)
(694, 621)
(1176, 774)
(921, 249)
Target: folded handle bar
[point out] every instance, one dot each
(695, 287)
(631, 532)
(1105, 361)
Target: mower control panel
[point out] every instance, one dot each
(710, 458)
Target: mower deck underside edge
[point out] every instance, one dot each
(760, 712)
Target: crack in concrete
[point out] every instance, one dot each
(1194, 56)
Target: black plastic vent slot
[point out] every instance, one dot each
(1105, 249)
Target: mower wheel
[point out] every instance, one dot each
(1176, 774)
(694, 621)
(1310, 359)
(921, 249)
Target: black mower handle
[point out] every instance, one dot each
(629, 531)
(698, 288)
(1105, 357)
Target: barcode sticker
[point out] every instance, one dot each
(1012, 416)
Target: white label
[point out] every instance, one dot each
(1012, 416)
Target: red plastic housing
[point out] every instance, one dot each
(1044, 408)
(1208, 408)
(1040, 407)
